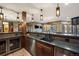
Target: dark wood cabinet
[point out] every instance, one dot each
(28, 43)
(43, 49)
(62, 52)
(58, 51)
(23, 41)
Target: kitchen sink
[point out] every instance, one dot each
(47, 39)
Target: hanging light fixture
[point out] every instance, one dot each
(1, 14)
(41, 15)
(57, 10)
(32, 17)
(17, 15)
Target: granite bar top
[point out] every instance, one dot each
(60, 44)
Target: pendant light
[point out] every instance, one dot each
(41, 15)
(1, 14)
(32, 16)
(57, 10)
(17, 15)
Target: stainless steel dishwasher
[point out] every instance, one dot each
(32, 47)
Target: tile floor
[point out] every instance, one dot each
(21, 52)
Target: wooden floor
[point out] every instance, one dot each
(21, 52)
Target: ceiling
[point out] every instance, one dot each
(49, 11)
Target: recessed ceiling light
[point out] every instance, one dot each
(67, 17)
(66, 3)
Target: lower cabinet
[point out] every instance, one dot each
(62, 52)
(2, 47)
(9, 45)
(43, 49)
(58, 51)
(39, 48)
(14, 44)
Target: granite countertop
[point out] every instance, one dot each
(4, 35)
(58, 34)
(9, 32)
(8, 37)
(61, 44)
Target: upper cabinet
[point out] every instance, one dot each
(75, 25)
(35, 27)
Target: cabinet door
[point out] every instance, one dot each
(14, 44)
(62, 52)
(39, 49)
(23, 41)
(2, 47)
(58, 51)
(46, 50)
(43, 49)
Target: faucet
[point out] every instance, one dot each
(49, 32)
(49, 36)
